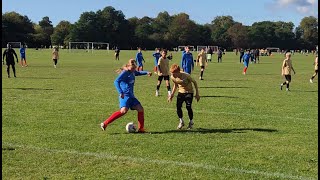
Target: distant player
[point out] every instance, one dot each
(315, 69)
(8, 55)
(246, 57)
(139, 59)
(257, 55)
(241, 54)
(286, 71)
(23, 56)
(209, 54)
(187, 62)
(55, 56)
(219, 53)
(183, 82)
(202, 60)
(156, 56)
(163, 72)
(117, 53)
(124, 84)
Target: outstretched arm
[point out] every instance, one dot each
(197, 89)
(174, 88)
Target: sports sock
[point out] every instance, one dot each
(287, 85)
(201, 74)
(113, 117)
(141, 120)
(181, 120)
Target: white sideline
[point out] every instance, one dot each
(164, 162)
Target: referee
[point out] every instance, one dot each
(8, 54)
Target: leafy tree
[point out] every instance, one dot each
(239, 35)
(16, 27)
(309, 29)
(219, 28)
(61, 33)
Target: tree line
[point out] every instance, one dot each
(110, 25)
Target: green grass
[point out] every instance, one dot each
(245, 127)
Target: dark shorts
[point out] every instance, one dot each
(316, 71)
(10, 62)
(202, 67)
(163, 77)
(23, 57)
(184, 97)
(288, 77)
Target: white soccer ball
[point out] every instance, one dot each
(130, 127)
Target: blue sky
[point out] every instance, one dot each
(203, 11)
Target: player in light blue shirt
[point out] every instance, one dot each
(156, 56)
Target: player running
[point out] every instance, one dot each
(246, 57)
(286, 71)
(315, 69)
(139, 59)
(124, 84)
(163, 72)
(183, 82)
(202, 60)
(23, 56)
(187, 62)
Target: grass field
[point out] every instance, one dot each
(245, 126)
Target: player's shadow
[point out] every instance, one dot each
(206, 131)
(218, 97)
(222, 87)
(31, 88)
(38, 78)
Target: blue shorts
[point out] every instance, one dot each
(187, 70)
(246, 63)
(23, 57)
(128, 102)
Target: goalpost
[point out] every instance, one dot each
(202, 47)
(88, 46)
(100, 46)
(181, 48)
(214, 48)
(15, 44)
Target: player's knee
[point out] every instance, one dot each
(123, 110)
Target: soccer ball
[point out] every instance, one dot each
(130, 127)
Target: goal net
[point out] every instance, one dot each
(80, 46)
(16, 45)
(100, 46)
(201, 47)
(214, 48)
(181, 48)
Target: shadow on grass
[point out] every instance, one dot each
(206, 87)
(38, 78)
(29, 88)
(302, 91)
(206, 131)
(219, 96)
(232, 80)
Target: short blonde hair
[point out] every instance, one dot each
(288, 54)
(174, 68)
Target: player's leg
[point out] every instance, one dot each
(166, 78)
(188, 100)
(14, 70)
(21, 61)
(288, 78)
(158, 84)
(314, 75)
(124, 107)
(180, 100)
(8, 69)
(201, 72)
(140, 110)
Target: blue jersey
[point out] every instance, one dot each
(22, 51)
(125, 82)
(139, 58)
(187, 63)
(156, 58)
(246, 58)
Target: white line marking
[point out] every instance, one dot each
(163, 162)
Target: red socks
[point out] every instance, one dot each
(113, 117)
(141, 120)
(245, 69)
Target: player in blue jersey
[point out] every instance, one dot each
(156, 56)
(23, 56)
(139, 59)
(124, 85)
(187, 62)
(246, 57)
